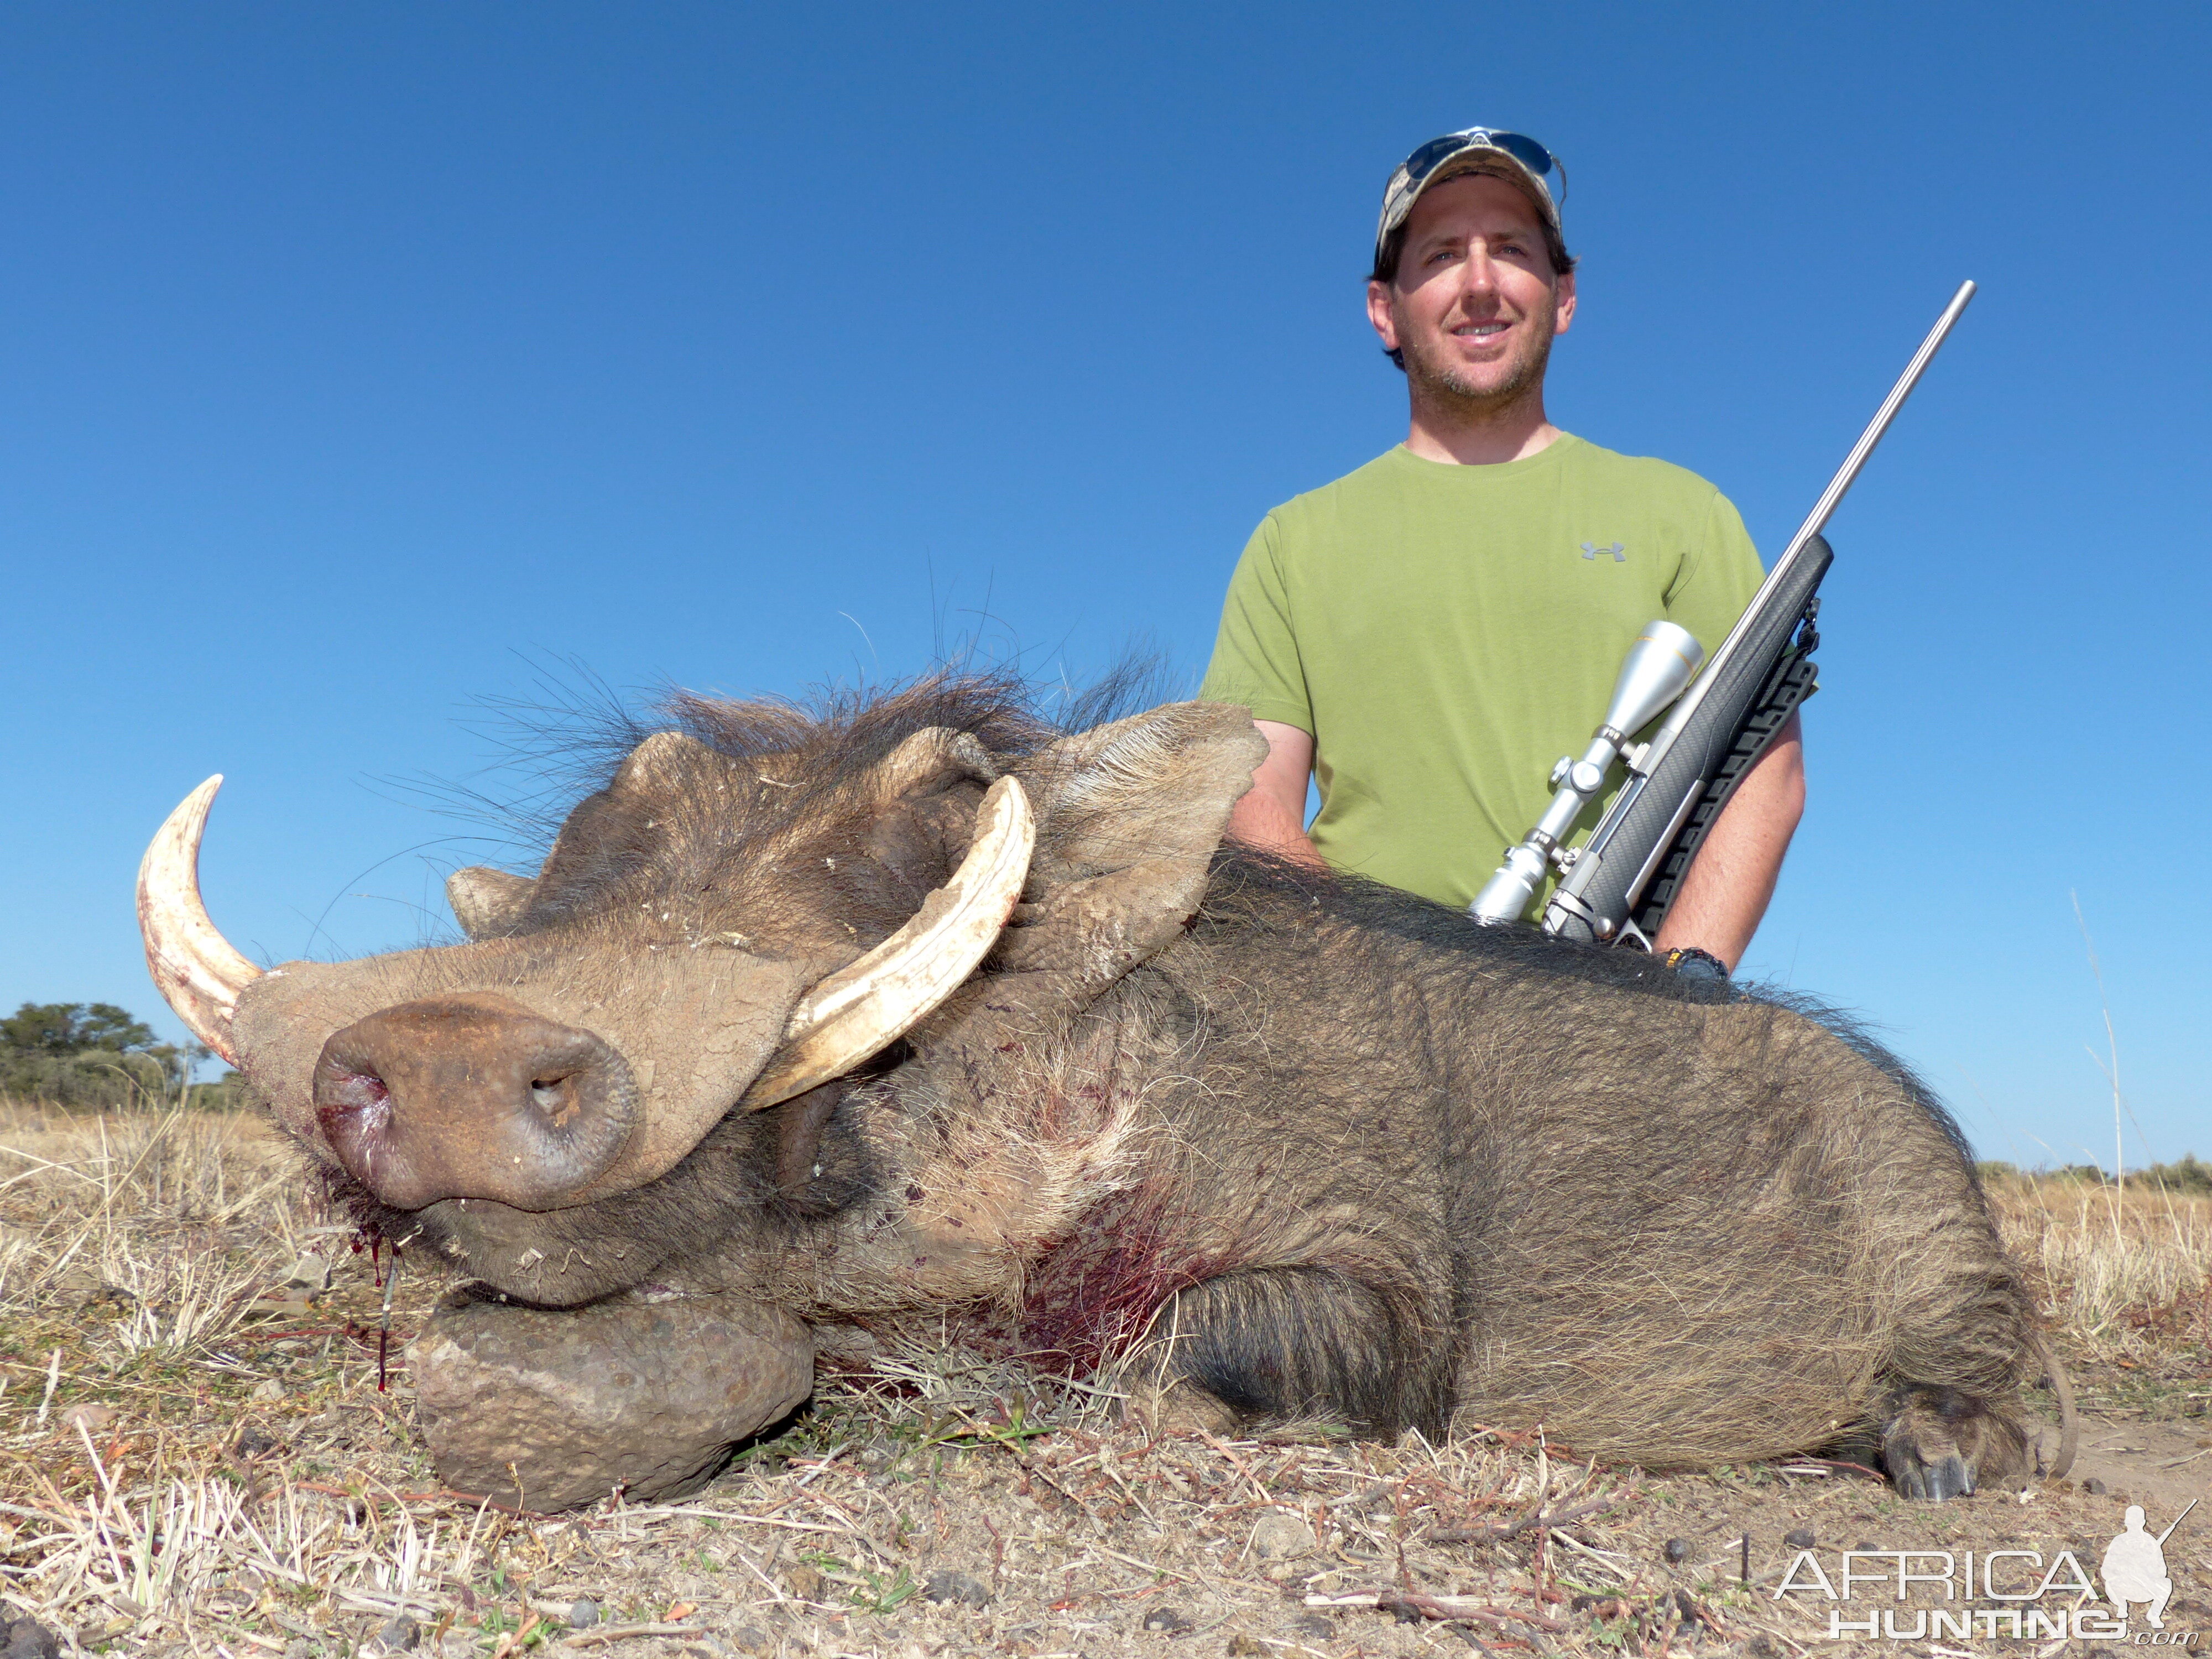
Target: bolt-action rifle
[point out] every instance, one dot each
(1617, 887)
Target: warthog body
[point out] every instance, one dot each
(1265, 1144)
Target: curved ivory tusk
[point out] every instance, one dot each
(862, 1008)
(197, 971)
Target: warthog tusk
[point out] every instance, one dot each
(861, 1009)
(197, 971)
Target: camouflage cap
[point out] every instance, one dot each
(1520, 160)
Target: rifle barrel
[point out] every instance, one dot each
(1817, 520)
(2178, 1520)
(1833, 496)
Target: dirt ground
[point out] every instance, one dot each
(197, 1456)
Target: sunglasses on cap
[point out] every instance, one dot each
(1524, 149)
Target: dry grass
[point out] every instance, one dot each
(2126, 1276)
(195, 1458)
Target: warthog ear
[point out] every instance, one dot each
(488, 903)
(1129, 818)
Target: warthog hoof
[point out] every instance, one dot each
(545, 1409)
(1941, 1444)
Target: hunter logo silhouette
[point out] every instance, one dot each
(2134, 1567)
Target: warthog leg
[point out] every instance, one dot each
(1279, 1344)
(1939, 1444)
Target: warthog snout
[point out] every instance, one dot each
(472, 1096)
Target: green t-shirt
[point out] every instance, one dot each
(1446, 633)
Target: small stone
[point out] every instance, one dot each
(583, 1615)
(2093, 1486)
(553, 1407)
(1798, 1538)
(267, 1392)
(1281, 1537)
(27, 1638)
(310, 1273)
(962, 1589)
(1167, 1621)
(398, 1634)
(88, 1416)
(1678, 1551)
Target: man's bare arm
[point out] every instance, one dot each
(1272, 816)
(1729, 884)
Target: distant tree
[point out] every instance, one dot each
(89, 1053)
(2189, 1175)
(71, 1028)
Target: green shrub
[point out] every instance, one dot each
(2187, 1173)
(96, 1055)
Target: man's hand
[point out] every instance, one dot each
(1272, 817)
(1732, 878)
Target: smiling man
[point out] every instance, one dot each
(1427, 636)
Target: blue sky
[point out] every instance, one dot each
(364, 362)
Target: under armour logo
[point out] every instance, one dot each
(1591, 550)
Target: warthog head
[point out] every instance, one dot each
(753, 906)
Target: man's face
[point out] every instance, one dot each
(1475, 302)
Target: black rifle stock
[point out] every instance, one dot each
(1621, 883)
(1758, 719)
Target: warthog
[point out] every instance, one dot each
(921, 1009)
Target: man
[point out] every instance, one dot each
(1427, 636)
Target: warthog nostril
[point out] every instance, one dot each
(358, 1095)
(556, 1097)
